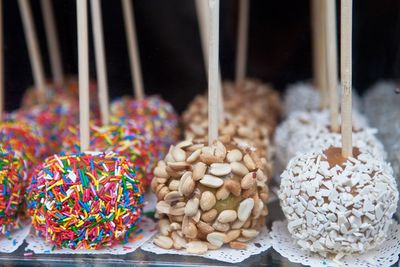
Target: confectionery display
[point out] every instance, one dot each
(85, 200)
(336, 205)
(12, 180)
(250, 166)
(209, 196)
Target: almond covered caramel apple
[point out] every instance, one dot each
(209, 196)
(337, 206)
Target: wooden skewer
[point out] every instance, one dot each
(213, 77)
(242, 36)
(331, 49)
(83, 68)
(33, 47)
(101, 66)
(52, 42)
(130, 29)
(203, 19)
(1, 63)
(346, 75)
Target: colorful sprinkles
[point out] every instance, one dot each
(12, 177)
(125, 139)
(158, 118)
(86, 200)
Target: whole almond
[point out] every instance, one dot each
(211, 246)
(238, 245)
(190, 231)
(204, 228)
(216, 238)
(248, 180)
(211, 181)
(179, 242)
(154, 185)
(209, 158)
(245, 208)
(173, 185)
(220, 150)
(227, 216)
(199, 170)
(160, 172)
(238, 224)
(184, 144)
(192, 207)
(173, 196)
(249, 233)
(239, 169)
(196, 247)
(160, 180)
(163, 207)
(173, 173)
(207, 200)
(234, 155)
(164, 227)
(258, 207)
(196, 218)
(233, 187)
(221, 227)
(177, 211)
(163, 242)
(220, 169)
(179, 165)
(243, 239)
(248, 161)
(232, 235)
(245, 132)
(162, 192)
(186, 184)
(209, 216)
(222, 193)
(195, 147)
(179, 154)
(194, 156)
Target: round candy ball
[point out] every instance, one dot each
(12, 180)
(338, 206)
(209, 195)
(156, 115)
(125, 139)
(23, 140)
(88, 200)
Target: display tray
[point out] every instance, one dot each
(143, 258)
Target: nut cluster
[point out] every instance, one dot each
(209, 196)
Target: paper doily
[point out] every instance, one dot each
(146, 231)
(384, 255)
(16, 239)
(260, 244)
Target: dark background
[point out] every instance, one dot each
(279, 45)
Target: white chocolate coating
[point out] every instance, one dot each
(338, 210)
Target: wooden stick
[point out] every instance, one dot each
(346, 75)
(213, 77)
(242, 36)
(315, 25)
(130, 29)
(52, 42)
(1, 63)
(33, 48)
(203, 19)
(101, 66)
(323, 57)
(331, 49)
(83, 60)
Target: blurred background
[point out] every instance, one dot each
(279, 49)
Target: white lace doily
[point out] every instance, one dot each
(384, 255)
(16, 238)
(226, 254)
(146, 231)
(150, 202)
